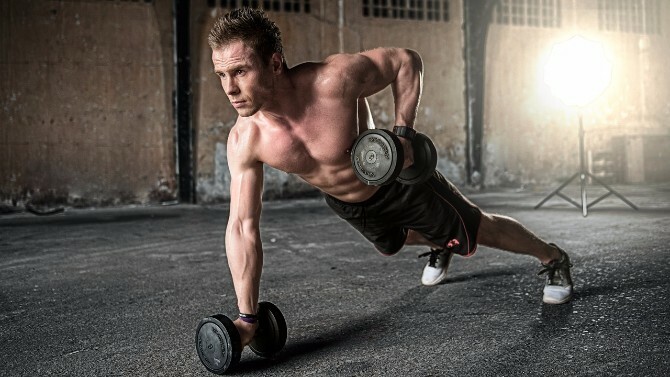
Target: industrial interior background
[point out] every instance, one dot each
(108, 102)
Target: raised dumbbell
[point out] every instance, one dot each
(377, 157)
(218, 342)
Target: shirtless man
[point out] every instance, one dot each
(303, 120)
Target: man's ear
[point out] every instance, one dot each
(277, 63)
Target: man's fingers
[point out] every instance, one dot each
(409, 152)
(246, 330)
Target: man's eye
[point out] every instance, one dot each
(239, 72)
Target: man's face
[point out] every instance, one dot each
(247, 81)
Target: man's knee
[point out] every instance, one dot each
(489, 229)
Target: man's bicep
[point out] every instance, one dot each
(246, 189)
(246, 186)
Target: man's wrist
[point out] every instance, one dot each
(404, 131)
(248, 318)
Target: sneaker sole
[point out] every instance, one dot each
(556, 302)
(550, 300)
(440, 279)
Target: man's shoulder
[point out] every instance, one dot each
(330, 74)
(332, 63)
(244, 128)
(345, 63)
(243, 140)
(340, 62)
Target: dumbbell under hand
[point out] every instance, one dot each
(218, 341)
(377, 157)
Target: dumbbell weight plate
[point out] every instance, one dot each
(218, 343)
(425, 161)
(272, 332)
(377, 157)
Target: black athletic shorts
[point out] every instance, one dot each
(435, 209)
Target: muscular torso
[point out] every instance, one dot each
(313, 142)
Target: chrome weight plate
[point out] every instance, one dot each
(377, 157)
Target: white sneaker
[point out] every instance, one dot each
(558, 288)
(435, 271)
(554, 294)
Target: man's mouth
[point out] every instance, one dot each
(237, 104)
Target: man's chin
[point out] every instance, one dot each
(244, 113)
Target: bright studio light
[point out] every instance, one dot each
(577, 71)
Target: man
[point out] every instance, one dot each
(303, 120)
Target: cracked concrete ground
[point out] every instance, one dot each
(119, 292)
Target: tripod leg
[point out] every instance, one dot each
(612, 191)
(556, 191)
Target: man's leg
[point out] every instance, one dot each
(496, 231)
(505, 233)
(502, 232)
(508, 234)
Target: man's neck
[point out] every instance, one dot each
(284, 106)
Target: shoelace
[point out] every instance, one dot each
(554, 265)
(551, 267)
(555, 270)
(432, 256)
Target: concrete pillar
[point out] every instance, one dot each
(634, 159)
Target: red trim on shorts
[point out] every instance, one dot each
(467, 235)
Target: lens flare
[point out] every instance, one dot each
(577, 71)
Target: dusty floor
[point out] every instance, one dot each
(119, 291)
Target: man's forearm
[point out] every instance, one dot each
(245, 260)
(407, 87)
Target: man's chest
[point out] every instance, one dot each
(302, 148)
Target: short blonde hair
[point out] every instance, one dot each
(252, 27)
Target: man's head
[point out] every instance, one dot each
(247, 56)
(250, 26)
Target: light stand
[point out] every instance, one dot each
(577, 72)
(583, 173)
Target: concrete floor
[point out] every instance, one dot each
(119, 292)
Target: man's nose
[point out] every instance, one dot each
(230, 87)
